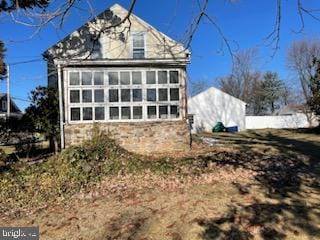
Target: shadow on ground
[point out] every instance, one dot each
(289, 184)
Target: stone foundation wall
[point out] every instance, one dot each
(139, 137)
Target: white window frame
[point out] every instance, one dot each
(106, 104)
(144, 43)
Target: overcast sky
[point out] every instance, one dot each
(245, 24)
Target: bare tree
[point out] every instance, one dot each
(300, 57)
(196, 87)
(243, 76)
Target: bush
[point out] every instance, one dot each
(63, 175)
(3, 158)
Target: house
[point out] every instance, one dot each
(14, 109)
(212, 106)
(131, 79)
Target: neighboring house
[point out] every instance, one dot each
(212, 106)
(131, 80)
(14, 110)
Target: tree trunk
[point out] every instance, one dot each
(54, 145)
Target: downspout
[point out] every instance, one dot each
(60, 107)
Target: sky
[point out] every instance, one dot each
(245, 23)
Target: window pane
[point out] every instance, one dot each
(98, 78)
(75, 114)
(125, 95)
(137, 112)
(87, 113)
(74, 96)
(151, 95)
(163, 112)
(138, 53)
(174, 112)
(174, 94)
(74, 78)
(152, 112)
(137, 95)
(162, 77)
(151, 77)
(86, 96)
(114, 113)
(136, 77)
(99, 95)
(125, 113)
(99, 113)
(163, 94)
(125, 78)
(113, 95)
(113, 78)
(86, 78)
(174, 77)
(138, 40)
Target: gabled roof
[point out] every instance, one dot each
(108, 15)
(212, 90)
(13, 104)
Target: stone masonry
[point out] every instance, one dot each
(139, 137)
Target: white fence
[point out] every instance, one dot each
(298, 120)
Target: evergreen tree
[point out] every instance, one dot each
(272, 88)
(314, 100)
(43, 113)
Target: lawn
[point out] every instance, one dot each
(251, 185)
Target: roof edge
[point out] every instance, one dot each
(116, 5)
(214, 88)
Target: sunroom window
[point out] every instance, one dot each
(99, 95)
(123, 95)
(74, 96)
(99, 113)
(75, 114)
(137, 112)
(125, 112)
(86, 78)
(113, 95)
(74, 78)
(98, 78)
(114, 113)
(136, 78)
(87, 113)
(86, 96)
(137, 95)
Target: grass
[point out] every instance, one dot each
(252, 185)
(8, 149)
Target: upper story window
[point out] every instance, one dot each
(4, 105)
(138, 45)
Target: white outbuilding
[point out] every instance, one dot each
(212, 106)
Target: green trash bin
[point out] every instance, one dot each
(219, 127)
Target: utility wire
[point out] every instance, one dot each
(24, 62)
(21, 99)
